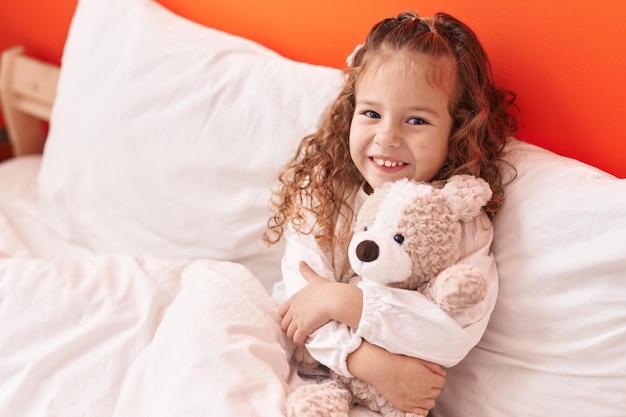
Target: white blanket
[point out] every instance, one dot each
(126, 336)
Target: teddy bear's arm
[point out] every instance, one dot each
(457, 288)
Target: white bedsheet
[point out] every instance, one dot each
(85, 334)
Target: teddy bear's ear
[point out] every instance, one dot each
(369, 210)
(391, 197)
(466, 195)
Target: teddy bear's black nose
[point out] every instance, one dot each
(367, 251)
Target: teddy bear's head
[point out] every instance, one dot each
(407, 232)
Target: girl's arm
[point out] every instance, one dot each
(410, 384)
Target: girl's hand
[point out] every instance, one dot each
(306, 310)
(410, 384)
(318, 303)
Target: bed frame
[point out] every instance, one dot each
(27, 91)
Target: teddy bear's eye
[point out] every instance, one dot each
(399, 238)
(365, 229)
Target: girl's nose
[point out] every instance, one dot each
(387, 136)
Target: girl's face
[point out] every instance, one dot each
(401, 124)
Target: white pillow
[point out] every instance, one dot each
(166, 136)
(556, 343)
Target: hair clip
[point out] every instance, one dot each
(350, 58)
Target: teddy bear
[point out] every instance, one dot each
(406, 235)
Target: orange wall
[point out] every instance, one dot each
(566, 59)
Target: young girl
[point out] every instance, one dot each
(419, 102)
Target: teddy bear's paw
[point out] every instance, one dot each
(364, 394)
(305, 363)
(327, 399)
(459, 287)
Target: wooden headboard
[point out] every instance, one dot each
(27, 90)
(565, 59)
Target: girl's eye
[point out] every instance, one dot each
(399, 238)
(417, 121)
(371, 114)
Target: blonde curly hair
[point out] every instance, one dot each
(322, 174)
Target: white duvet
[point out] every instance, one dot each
(119, 335)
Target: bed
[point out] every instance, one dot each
(132, 278)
